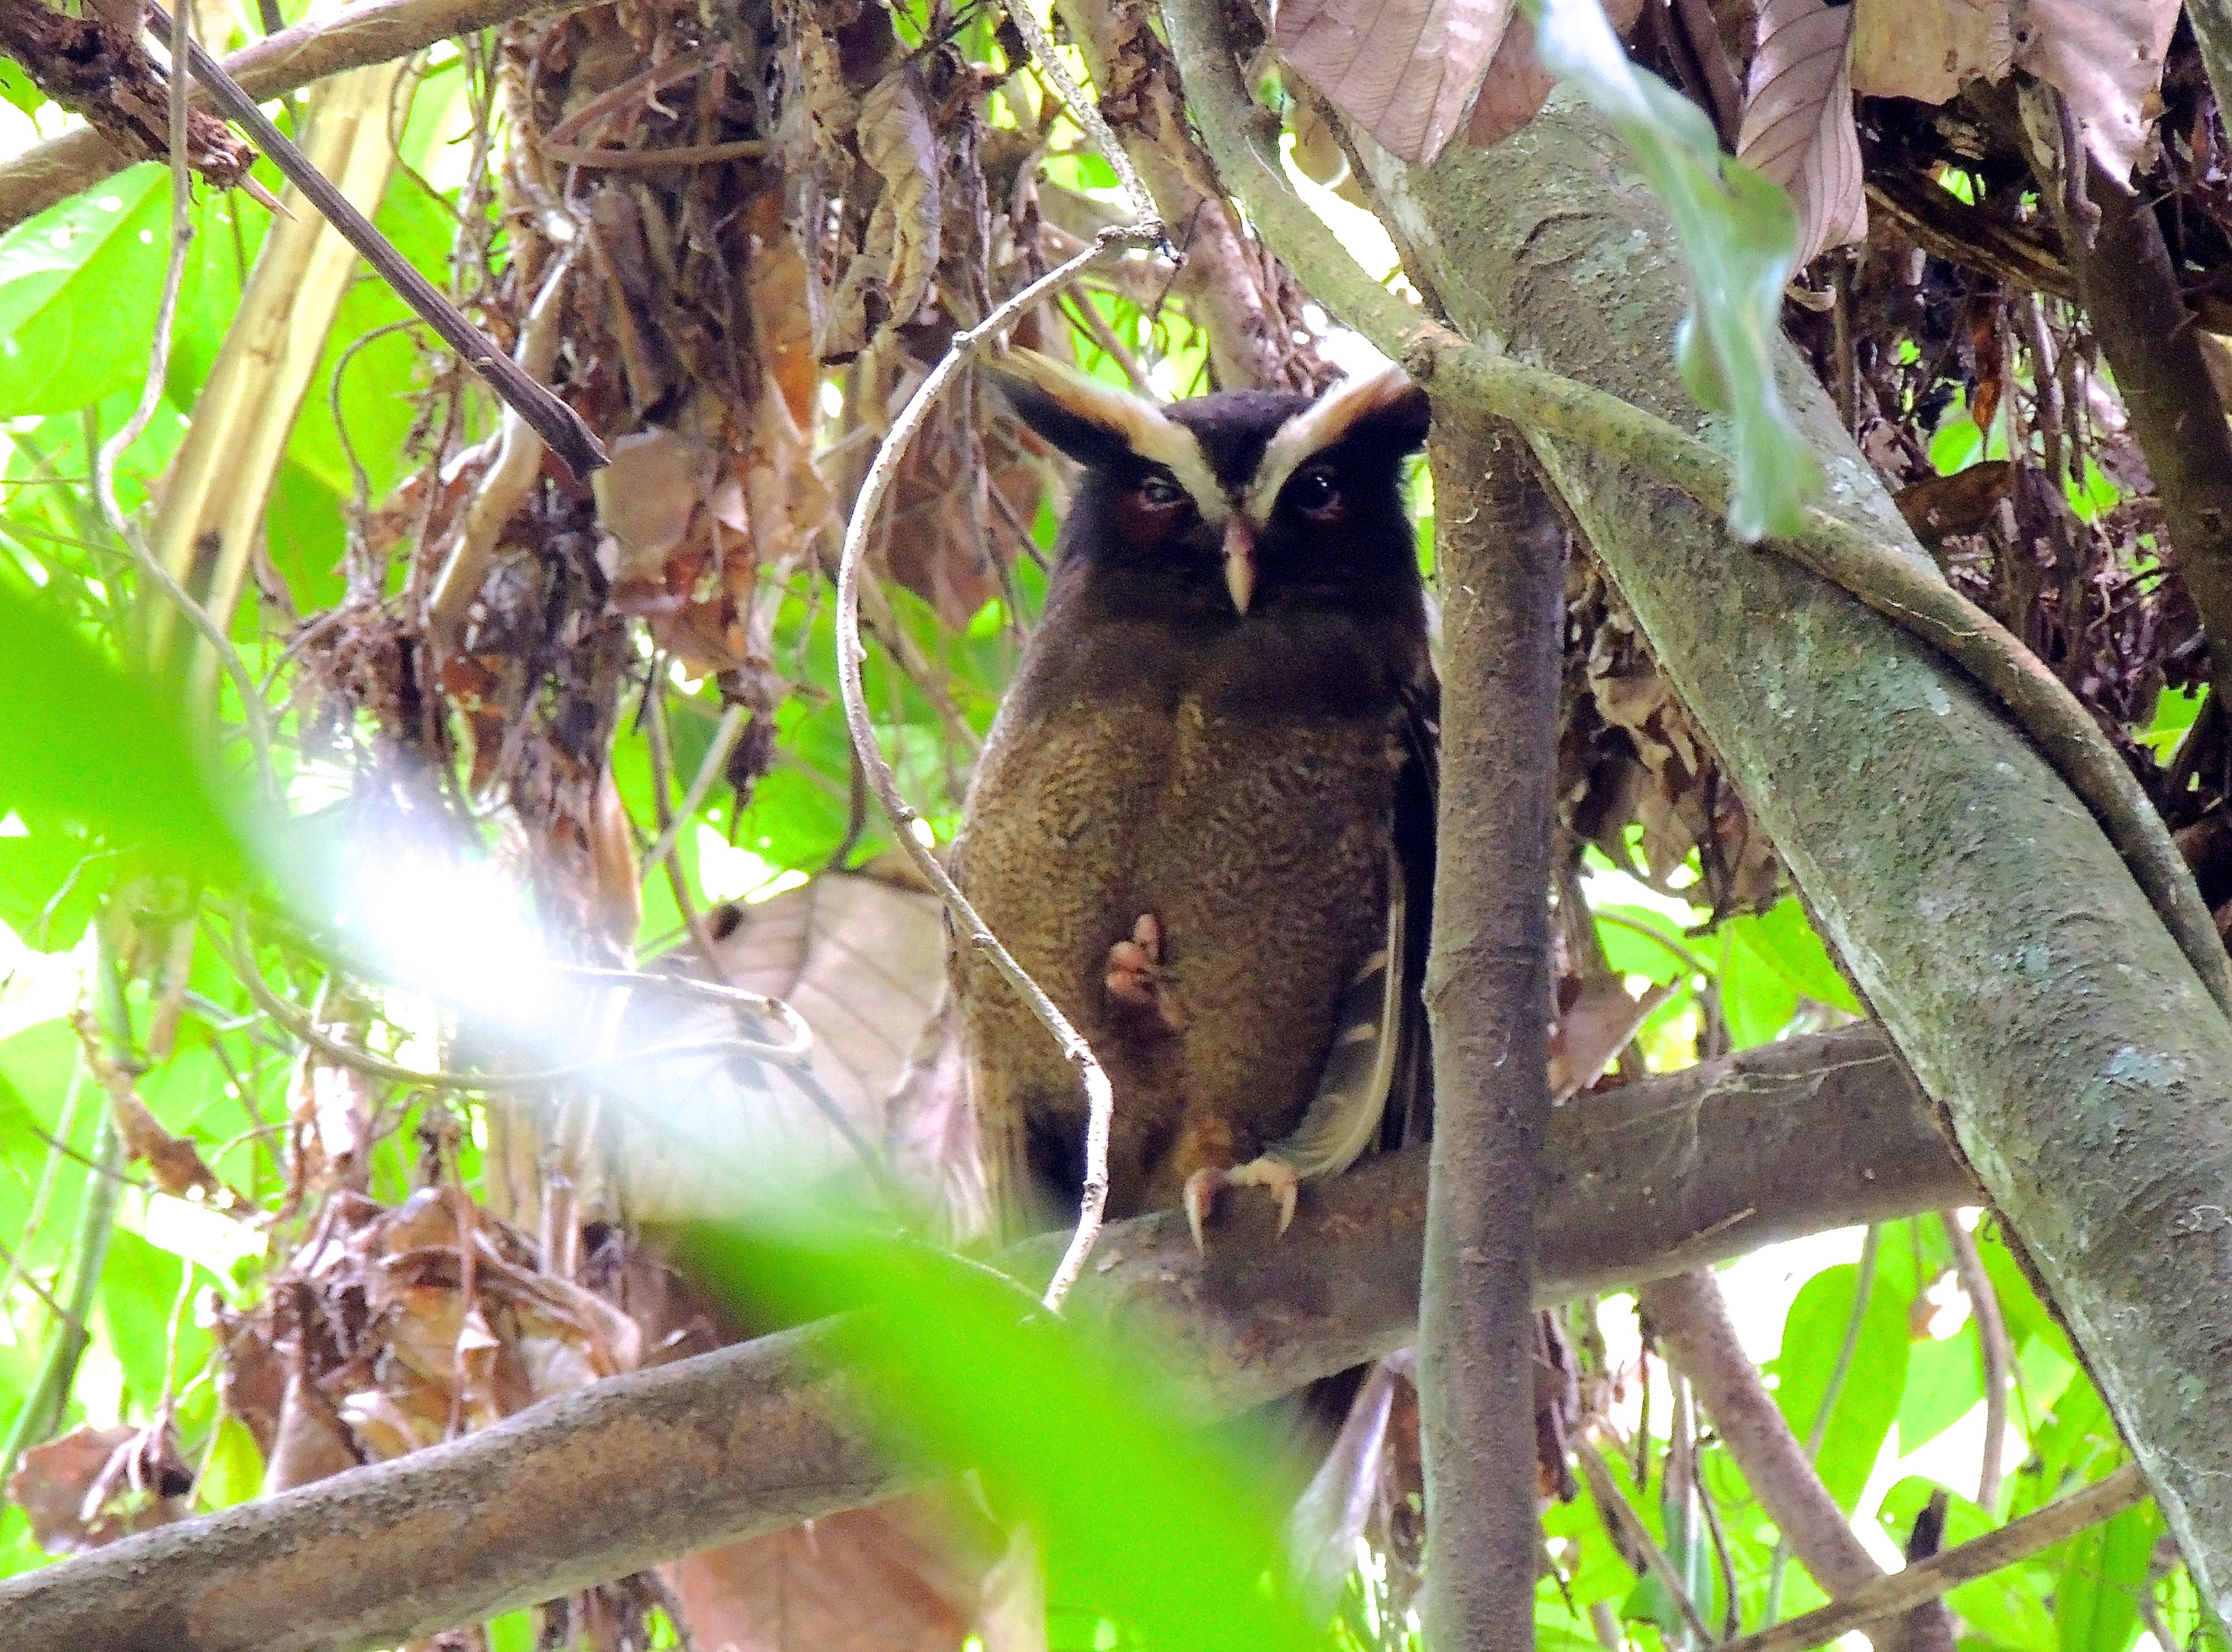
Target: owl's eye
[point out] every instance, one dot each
(1315, 491)
(1158, 491)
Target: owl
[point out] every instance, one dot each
(1203, 820)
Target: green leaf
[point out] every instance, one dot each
(2096, 1598)
(1168, 1534)
(1944, 1381)
(235, 1473)
(1782, 938)
(92, 745)
(1757, 999)
(16, 89)
(78, 285)
(1739, 234)
(2007, 1608)
(139, 1287)
(1868, 1400)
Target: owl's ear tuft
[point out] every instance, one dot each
(1384, 410)
(1092, 422)
(1099, 426)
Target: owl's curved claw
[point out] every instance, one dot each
(1277, 1175)
(1135, 974)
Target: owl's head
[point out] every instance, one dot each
(1243, 500)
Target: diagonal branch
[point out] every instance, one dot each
(1928, 1580)
(1675, 1172)
(377, 32)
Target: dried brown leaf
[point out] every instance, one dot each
(1929, 50)
(1515, 89)
(2105, 58)
(1798, 126)
(861, 961)
(1517, 85)
(1594, 1028)
(1403, 70)
(92, 1485)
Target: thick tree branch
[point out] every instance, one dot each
(1501, 549)
(2080, 1059)
(377, 33)
(1673, 1173)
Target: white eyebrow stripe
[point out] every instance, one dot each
(1147, 429)
(1163, 440)
(1317, 427)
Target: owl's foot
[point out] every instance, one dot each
(1275, 1174)
(1135, 974)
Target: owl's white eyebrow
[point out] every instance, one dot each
(1144, 428)
(1316, 428)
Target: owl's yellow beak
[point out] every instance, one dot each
(1240, 559)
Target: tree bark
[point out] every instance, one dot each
(1673, 1173)
(1501, 548)
(2084, 1068)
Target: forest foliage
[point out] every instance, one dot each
(328, 1126)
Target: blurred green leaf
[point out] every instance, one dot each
(1169, 1532)
(1783, 939)
(78, 285)
(1756, 998)
(2006, 1608)
(235, 1473)
(16, 88)
(2096, 1600)
(1739, 234)
(1945, 1382)
(139, 1287)
(1813, 1335)
(92, 745)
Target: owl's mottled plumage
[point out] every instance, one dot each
(1222, 726)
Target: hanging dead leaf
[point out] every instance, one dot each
(1592, 1030)
(1403, 70)
(861, 961)
(1930, 50)
(1517, 85)
(909, 1573)
(1798, 127)
(890, 280)
(648, 498)
(2105, 58)
(1514, 90)
(92, 1485)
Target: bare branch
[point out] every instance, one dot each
(1927, 1580)
(552, 420)
(851, 656)
(280, 64)
(1502, 551)
(1671, 1173)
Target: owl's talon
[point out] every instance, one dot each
(1135, 973)
(1277, 1175)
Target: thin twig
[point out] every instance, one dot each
(1613, 1505)
(641, 160)
(1148, 223)
(1926, 1580)
(725, 735)
(150, 392)
(1992, 1333)
(852, 656)
(558, 425)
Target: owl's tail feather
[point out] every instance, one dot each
(1343, 1118)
